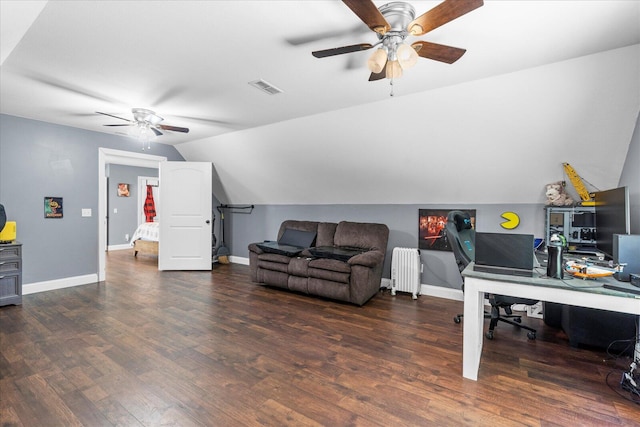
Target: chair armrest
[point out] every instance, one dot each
(367, 259)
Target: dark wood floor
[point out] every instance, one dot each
(147, 348)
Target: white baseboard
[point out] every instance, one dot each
(239, 260)
(442, 292)
(119, 247)
(67, 282)
(431, 290)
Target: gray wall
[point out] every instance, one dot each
(126, 220)
(40, 159)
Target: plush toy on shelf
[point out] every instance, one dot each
(557, 196)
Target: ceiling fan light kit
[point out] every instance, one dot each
(393, 23)
(143, 133)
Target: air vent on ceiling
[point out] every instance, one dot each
(265, 87)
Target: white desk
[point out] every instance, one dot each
(573, 292)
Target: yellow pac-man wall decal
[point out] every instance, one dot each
(512, 220)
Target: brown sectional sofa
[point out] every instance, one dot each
(355, 280)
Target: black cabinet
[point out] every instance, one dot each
(10, 273)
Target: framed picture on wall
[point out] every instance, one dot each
(431, 228)
(53, 207)
(123, 190)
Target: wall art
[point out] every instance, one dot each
(431, 228)
(53, 207)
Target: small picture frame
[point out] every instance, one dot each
(123, 190)
(53, 207)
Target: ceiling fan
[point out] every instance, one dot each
(392, 23)
(144, 118)
(145, 125)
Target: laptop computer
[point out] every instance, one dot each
(504, 253)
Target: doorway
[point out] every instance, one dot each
(143, 182)
(109, 156)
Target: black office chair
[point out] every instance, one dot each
(462, 239)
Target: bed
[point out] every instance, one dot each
(145, 239)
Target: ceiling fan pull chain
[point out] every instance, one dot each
(391, 84)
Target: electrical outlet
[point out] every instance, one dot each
(126, 237)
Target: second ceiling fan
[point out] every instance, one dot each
(392, 23)
(143, 118)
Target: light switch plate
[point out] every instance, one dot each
(86, 212)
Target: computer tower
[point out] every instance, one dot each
(626, 250)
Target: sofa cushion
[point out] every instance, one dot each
(281, 259)
(329, 269)
(326, 230)
(273, 266)
(297, 225)
(361, 235)
(330, 264)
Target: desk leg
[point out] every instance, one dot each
(473, 328)
(637, 351)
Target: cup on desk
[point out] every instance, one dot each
(555, 262)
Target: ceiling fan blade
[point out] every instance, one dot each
(341, 50)
(357, 30)
(111, 115)
(156, 131)
(445, 12)
(205, 120)
(118, 125)
(438, 52)
(379, 76)
(369, 14)
(173, 128)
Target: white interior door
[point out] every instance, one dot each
(185, 216)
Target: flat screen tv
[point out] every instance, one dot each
(612, 217)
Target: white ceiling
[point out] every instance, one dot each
(191, 61)
(557, 79)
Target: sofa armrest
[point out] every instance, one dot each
(253, 247)
(367, 259)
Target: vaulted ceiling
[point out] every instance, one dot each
(542, 82)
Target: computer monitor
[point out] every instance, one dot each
(612, 217)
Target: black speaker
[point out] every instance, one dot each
(626, 250)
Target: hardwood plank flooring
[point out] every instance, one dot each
(149, 348)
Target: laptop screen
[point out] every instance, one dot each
(505, 250)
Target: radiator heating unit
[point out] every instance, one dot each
(406, 271)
